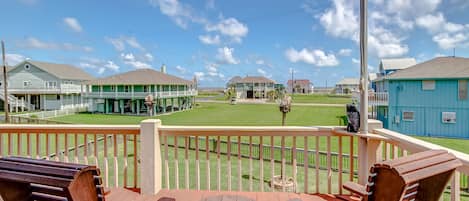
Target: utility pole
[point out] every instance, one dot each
(5, 92)
(292, 81)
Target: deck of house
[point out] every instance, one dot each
(221, 162)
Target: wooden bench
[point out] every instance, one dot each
(24, 179)
(421, 177)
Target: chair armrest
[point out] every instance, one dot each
(355, 188)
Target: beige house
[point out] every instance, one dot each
(251, 87)
(347, 85)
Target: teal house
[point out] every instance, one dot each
(426, 99)
(125, 93)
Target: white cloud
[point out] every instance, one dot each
(345, 52)
(120, 43)
(225, 56)
(112, 66)
(182, 14)
(34, 43)
(149, 57)
(131, 60)
(340, 21)
(199, 75)
(230, 27)
(181, 69)
(101, 70)
(73, 24)
(446, 34)
(263, 73)
(384, 43)
(355, 61)
(13, 59)
(260, 62)
(314, 57)
(409, 9)
(210, 40)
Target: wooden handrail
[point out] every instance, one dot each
(75, 128)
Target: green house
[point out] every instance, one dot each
(125, 93)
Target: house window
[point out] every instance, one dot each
(68, 82)
(51, 84)
(126, 88)
(408, 116)
(428, 85)
(26, 83)
(146, 89)
(113, 88)
(462, 89)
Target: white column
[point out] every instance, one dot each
(151, 167)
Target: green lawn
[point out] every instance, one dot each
(321, 98)
(224, 114)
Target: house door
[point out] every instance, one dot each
(250, 94)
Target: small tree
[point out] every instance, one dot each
(285, 107)
(231, 95)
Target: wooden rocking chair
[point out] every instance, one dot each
(420, 177)
(24, 179)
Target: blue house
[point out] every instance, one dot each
(427, 99)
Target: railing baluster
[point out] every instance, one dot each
(306, 163)
(351, 159)
(176, 162)
(76, 148)
(166, 162)
(135, 162)
(197, 163)
(19, 144)
(261, 161)
(340, 165)
(272, 163)
(9, 144)
(125, 168)
(329, 165)
(250, 164)
(316, 164)
(218, 165)
(239, 165)
(47, 146)
(282, 173)
(294, 165)
(186, 161)
(229, 163)
(388, 151)
(116, 163)
(57, 148)
(106, 164)
(38, 142)
(95, 150)
(1, 144)
(207, 157)
(395, 152)
(85, 148)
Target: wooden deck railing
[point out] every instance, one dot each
(152, 156)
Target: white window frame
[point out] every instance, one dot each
(405, 119)
(126, 88)
(428, 85)
(51, 85)
(26, 83)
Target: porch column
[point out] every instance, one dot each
(28, 99)
(121, 106)
(138, 107)
(369, 151)
(150, 162)
(105, 106)
(61, 101)
(172, 104)
(164, 105)
(154, 108)
(132, 104)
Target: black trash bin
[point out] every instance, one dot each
(353, 116)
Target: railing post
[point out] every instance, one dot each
(369, 152)
(455, 187)
(150, 158)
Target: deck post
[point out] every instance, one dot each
(150, 159)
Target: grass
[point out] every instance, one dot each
(321, 98)
(224, 114)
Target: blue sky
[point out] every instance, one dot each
(215, 40)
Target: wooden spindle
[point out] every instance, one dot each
(340, 164)
(207, 157)
(57, 147)
(388, 151)
(18, 144)
(76, 149)
(166, 161)
(10, 148)
(239, 165)
(305, 164)
(28, 145)
(395, 154)
(47, 146)
(282, 173)
(186, 161)
(218, 165)
(329, 165)
(261, 161)
(85, 149)
(125, 159)
(351, 159)
(250, 164)
(176, 162)
(135, 161)
(316, 164)
(106, 163)
(272, 163)
(197, 163)
(116, 163)
(229, 162)
(1, 145)
(95, 150)
(65, 147)
(38, 142)
(294, 163)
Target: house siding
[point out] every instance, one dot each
(427, 105)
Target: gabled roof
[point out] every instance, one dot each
(437, 68)
(140, 76)
(300, 82)
(255, 79)
(396, 63)
(349, 81)
(62, 71)
(234, 79)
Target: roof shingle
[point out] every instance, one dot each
(437, 68)
(140, 76)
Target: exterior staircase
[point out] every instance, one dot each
(15, 102)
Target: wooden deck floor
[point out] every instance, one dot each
(119, 194)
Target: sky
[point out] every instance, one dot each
(215, 40)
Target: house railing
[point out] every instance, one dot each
(57, 90)
(164, 94)
(152, 156)
(374, 98)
